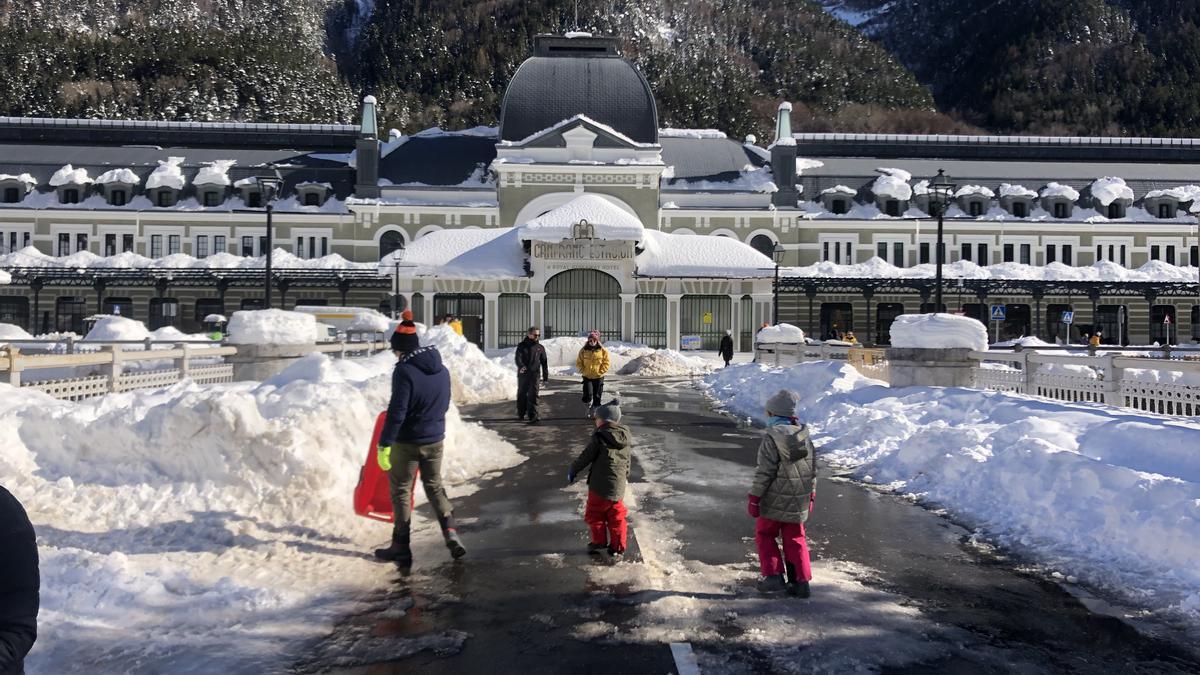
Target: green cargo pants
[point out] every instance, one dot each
(407, 459)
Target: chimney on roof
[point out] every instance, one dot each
(366, 152)
(783, 159)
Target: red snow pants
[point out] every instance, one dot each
(606, 520)
(795, 547)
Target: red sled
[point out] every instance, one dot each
(372, 495)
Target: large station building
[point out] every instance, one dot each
(579, 211)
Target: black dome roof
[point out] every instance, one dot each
(578, 76)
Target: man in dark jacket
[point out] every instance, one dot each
(412, 437)
(530, 356)
(19, 585)
(726, 348)
(609, 453)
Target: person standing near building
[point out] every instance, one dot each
(19, 583)
(456, 324)
(593, 364)
(530, 357)
(412, 437)
(1094, 340)
(781, 498)
(726, 348)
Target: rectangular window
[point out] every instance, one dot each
(110, 244)
(312, 199)
(262, 246)
(25, 239)
(1194, 254)
(1155, 252)
(1060, 210)
(897, 253)
(1020, 209)
(173, 244)
(247, 247)
(1122, 255)
(1051, 253)
(1099, 253)
(212, 198)
(981, 255)
(1116, 210)
(117, 198)
(881, 249)
(201, 246)
(70, 196)
(219, 243)
(299, 247)
(81, 242)
(965, 253)
(839, 206)
(1068, 257)
(254, 200)
(312, 247)
(165, 198)
(1170, 255)
(975, 208)
(11, 195)
(923, 253)
(825, 252)
(1008, 253)
(892, 207)
(126, 243)
(156, 246)
(64, 245)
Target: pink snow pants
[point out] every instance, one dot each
(795, 548)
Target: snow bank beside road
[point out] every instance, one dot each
(475, 377)
(939, 331)
(1105, 495)
(271, 327)
(205, 528)
(782, 333)
(667, 363)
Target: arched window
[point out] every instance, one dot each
(763, 244)
(390, 241)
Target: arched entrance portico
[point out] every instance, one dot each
(581, 300)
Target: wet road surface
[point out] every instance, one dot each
(528, 598)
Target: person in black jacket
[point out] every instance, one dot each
(726, 348)
(411, 440)
(530, 356)
(19, 583)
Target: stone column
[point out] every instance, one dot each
(537, 309)
(491, 320)
(920, 367)
(673, 325)
(629, 316)
(735, 315)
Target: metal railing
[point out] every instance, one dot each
(871, 362)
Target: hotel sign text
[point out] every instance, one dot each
(595, 250)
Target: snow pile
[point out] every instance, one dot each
(840, 190)
(117, 328)
(207, 525)
(893, 183)
(780, 333)
(750, 179)
(1182, 193)
(1109, 189)
(666, 363)
(939, 331)
(608, 221)
(370, 322)
(9, 332)
(474, 377)
(126, 176)
(69, 175)
(969, 190)
(1011, 190)
(25, 178)
(1060, 190)
(215, 173)
(1076, 487)
(691, 133)
(743, 389)
(271, 327)
(167, 174)
(5, 278)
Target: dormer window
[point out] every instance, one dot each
(1061, 210)
(1020, 209)
(118, 197)
(1166, 210)
(839, 206)
(254, 199)
(69, 196)
(211, 198)
(312, 199)
(165, 197)
(312, 194)
(892, 207)
(12, 195)
(1116, 210)
(975, 208)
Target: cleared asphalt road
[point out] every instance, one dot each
(897, 588)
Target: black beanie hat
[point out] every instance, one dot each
(404, 339)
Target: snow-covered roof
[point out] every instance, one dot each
(690, 133)
(69, 175)
(126, 176)
(473, 254)
(969, 190)
(309, 184)
(1060, 190)
(877, 268)
(840, 189)
(682, 255)
(1011, 190)
(1182, 193)
(281, 259)
(23, 178)
(608, 220)
(1109, 189)
(577, 118)
(750, 179)
(215, 173)
(248, 181)
(893, 183)
(805, 163)
(168, 174)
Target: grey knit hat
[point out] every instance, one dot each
(610, 412)
(783, 404)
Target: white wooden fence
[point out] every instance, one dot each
(1168, 386)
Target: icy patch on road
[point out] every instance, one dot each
(1107, 495)
(206, 528)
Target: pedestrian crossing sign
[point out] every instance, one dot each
(1068, 317)
(999, 312)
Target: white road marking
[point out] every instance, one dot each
(685, 658)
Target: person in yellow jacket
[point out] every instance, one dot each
(1094, 340)
(456, 325)
(592, 364)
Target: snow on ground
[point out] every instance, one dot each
(271, 327)
(667, 363)
(475, 377)
(939, 331)
(10, 331)
(1106, 495)
(206, 529)
(781, 333)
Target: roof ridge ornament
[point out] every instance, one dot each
(583, 230)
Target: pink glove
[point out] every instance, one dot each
(752, 506)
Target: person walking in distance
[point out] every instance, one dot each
(412, 438)
(781, 498)
(530, 357)
(593, 364)
(726, 348)
(609, 454)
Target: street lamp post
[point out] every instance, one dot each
(777, 256)
(397, 258)
(941, 190)
(270, 186)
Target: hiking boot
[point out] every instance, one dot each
(457, 550)
(596, 549)
(534, 420)
(398, 552)
(798, 589)
(617, 556)
(771, 584)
